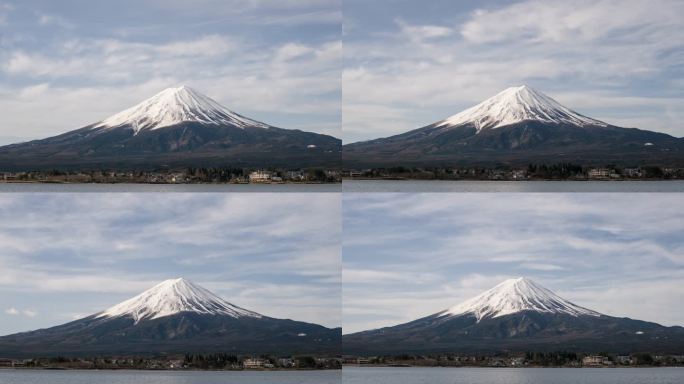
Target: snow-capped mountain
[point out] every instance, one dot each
(517, 315)
(516, 295)
(174, 316)
(175, 106)
(174, 296)
(517, 126)
(177, 128)
(515, 105)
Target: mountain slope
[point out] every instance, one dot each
(171, 297)
(174, 106)
(515, 105)
(515, 127)
(178, 127)
(517, 315)
(516, 295)
(175, 316)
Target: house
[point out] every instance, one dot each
(632, 172)
(6, 363)
(260, 177)
(517, 361)
(595, 361)
(519, 174)
(295, 175)
(253, 363)
(600, 173)
(286, 362)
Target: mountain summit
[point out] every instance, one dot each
(174, 296)
(175, 129)
(516, 295)
(175, 106)
(517, 315)
(174, 316)
(517, 126)
(515, 105)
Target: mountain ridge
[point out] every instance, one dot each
(515, 105)
(175, 316)
(516, 127)
(171, 297)
(516, 295)
(176, 128)
(531, 319)
(173, 106)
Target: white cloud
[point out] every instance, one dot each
(56, 20)
(422, 32)
(25, 312)
(291, 51)
(575, 22)
(212, 45)
(5, 8)
(29, 313)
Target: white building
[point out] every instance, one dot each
(600, 173)
(260, 177)
(253, 363)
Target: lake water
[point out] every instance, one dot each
(510, 186)
(168, 377)
(49, 187)
(355, 375)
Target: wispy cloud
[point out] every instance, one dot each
(25, 312)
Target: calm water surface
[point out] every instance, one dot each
(510, 186)
(355, 375)
(167, 377)
(37, 187)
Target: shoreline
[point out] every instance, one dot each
(511, 367)
(495, 180)
(169, 370)
(198, 183)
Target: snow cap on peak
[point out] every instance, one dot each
(516, 295)
(173, 106)
(173, 296)
(517, 104)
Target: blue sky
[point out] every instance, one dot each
(65, 64)
(65, 256)
(410, 63)
(411, 255)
